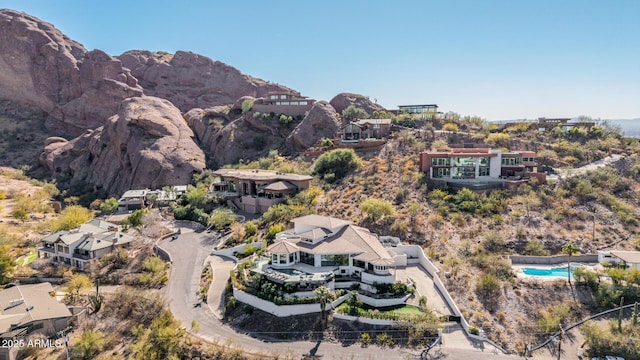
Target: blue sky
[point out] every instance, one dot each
(497, 59)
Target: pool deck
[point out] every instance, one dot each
(518, 269)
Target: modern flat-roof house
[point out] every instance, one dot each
(254, 191)
(79, 246)
(132, 200)
(480, 168)
(365, 129)
(318, 248)
(424, 112)
(283, 103)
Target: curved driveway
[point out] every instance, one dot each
(189, 253)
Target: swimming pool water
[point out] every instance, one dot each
(560, 271)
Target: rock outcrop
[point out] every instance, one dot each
(191, 80)
(344, 100)
(147, 144)
(321, 122)
(41, 67)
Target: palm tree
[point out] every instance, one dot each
(570, 249)
(324, 294)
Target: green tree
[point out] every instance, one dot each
(135, 219)
(7, 264)
(110, 205)
(196, 195)
(247, 105)
(570, 249)
(450, 127)
(222, 219)
(71, 217)
(376, 209)
(335, 164)
(76, 284)
(353, 113)
(165, 338)
(324, 295)
(90, 344)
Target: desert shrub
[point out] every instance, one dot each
(337, 162)
(251, 228)
(376, 209)
(222, 219)
(493, 241)
(110, 205)
(326, 142)
(535, 248)
(365, 339)
(498, 139)
(247, 105)
(273, 230)
(552, 317)
(71, 217)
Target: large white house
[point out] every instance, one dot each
(320, 245)
(85, 243)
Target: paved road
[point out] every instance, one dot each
(567, 173)
(189, 253)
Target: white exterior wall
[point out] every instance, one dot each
(283, 310)
(495, 164)
(371, 278)
(383, 302)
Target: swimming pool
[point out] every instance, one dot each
(558, 272)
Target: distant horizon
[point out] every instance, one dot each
(498, 59)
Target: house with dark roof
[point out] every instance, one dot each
(254, 191)
(364, 129)
(79, 246)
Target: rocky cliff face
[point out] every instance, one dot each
(190, 80)
(41, 67)
(321, 122)
(146, 144)
(344, 100)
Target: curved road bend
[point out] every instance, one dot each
(189, 253)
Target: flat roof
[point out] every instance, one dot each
(627, 256)
(374, 121)
(255, 174)
(424, 105)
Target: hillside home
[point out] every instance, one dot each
(138, 199)
(254, 191)
(79, 246)
(480, 168)
(423, 112)
(31, 308)
(365, 129)
(284, 103)
(320, 248)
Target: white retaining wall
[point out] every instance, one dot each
(382, 302)
(364, 320)
(283, 310)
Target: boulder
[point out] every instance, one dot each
(41, 67)
(190, 80)
(321, 122)
(344, 100)
(147, 144)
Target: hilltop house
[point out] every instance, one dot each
(423, 112)
(254, 191)
(480, 168)
(320, 248)
(628, 258)
(284, 103)
(79, 246)
(365, 129)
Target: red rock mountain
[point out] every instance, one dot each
(125, 135)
